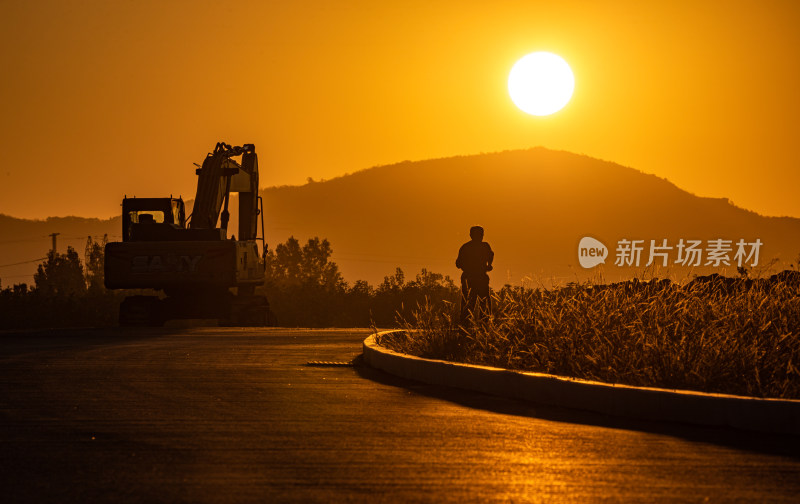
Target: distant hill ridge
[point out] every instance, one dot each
(535, 205)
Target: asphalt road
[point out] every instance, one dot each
(236, 415)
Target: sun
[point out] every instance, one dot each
(541, 83)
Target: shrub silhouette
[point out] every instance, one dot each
(64, 294)
(306, 289)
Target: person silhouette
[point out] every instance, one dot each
(475, 260)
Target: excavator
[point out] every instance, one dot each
(195, 269)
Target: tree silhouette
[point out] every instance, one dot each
(309, 266)
(60, 275)
(429, 282)
(393, 283)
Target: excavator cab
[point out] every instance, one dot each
(151, 219)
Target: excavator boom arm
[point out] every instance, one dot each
(217, 177)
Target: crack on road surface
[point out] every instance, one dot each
(357, 362)
(330, 364)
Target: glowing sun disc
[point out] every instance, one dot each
(541, 83)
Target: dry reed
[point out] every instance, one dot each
(726, 335)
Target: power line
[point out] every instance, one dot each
(343, 259)
(23, 262)
(38, 238)
(44, 237)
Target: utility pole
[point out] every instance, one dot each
(53, 235)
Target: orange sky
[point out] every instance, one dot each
(106, 98)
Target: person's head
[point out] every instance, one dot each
(476, 233)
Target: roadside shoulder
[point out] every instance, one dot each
(747, 413)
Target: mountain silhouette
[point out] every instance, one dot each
(534, 204)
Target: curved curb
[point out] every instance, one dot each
(699, 408)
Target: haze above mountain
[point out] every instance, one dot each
(535, 206)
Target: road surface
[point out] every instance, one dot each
(236, 415)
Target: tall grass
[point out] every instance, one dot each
(737, 337)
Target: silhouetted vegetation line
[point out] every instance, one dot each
(716, 334)
(65, 293)
(304, 288)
